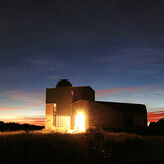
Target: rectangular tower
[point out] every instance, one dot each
(59, 105)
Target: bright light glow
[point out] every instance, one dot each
(80, 122)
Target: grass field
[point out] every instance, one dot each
(90, 147)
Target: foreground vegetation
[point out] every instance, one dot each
(90, 147)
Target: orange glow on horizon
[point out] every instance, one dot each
(31, 121)
(151, 117)
(155, 116)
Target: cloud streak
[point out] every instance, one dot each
(134, 56)
(40, 121)
(10, 108)
(155, 116)
(29, 98)
(16, 105)
(105, 92)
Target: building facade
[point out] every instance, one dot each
(64, 102)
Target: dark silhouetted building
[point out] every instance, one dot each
(64, 102)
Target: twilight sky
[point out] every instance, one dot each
(116, 47)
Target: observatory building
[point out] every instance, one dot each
(75, 108)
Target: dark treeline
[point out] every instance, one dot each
(158, 124)
(12, 126)
(154, 128)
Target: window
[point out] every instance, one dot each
(72, 93)
(54, 114)
(55, 108)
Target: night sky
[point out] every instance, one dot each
(115, 46)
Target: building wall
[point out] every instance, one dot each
(113, 115)
(139, 121)
(63, 97)
(83, 93)
(98, 115)
(104, 116)
(71, 100)
(135, 116)
(49, 116)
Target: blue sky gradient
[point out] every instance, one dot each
(116, 47)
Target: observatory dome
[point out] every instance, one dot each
(63, 83)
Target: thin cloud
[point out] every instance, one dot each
(21, 102)
(24, 96)
(49, 63)
(10, 108)
(105, 92)
(33, 121)
(134, 57)
(40, 121)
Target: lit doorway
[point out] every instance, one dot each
(80, 122)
